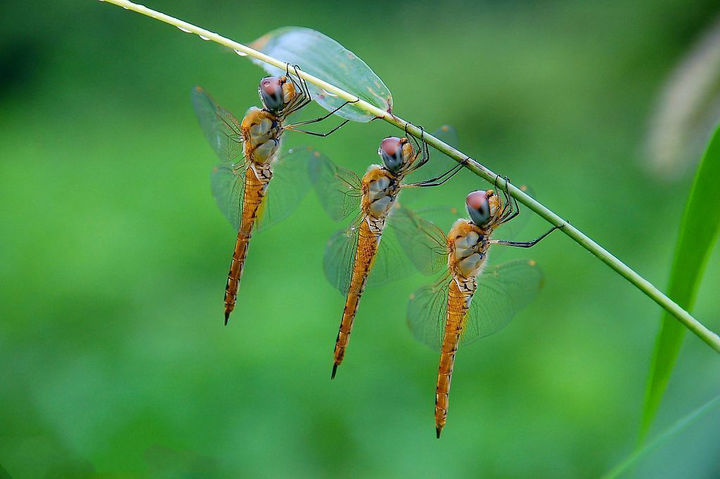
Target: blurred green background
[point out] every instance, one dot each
(113, 255)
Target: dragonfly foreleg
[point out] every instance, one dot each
(324, 117)
(315, 133)
(303, 98)
(438, 180)
(525, 244)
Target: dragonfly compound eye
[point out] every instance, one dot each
(478, 207)
(391, 152)
(271, 93)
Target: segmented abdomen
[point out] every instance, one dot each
(364, 257)
(457, 309)
(255, 190)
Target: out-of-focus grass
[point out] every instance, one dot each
(697, 236)
(112, 352)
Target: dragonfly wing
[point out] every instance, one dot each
(438, 163)
(337, 188)
(502, 291)
(420, 240)
(221, 128)
(228, 185)
(390, 263)
(427, 313)
(340, 257)
(289, 185)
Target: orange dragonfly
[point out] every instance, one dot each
(352, 253)
(250, 157)
(470, 300)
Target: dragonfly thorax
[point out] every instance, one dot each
(261, 132)
(380, 188)
(468, 249)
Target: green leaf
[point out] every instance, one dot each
(323, 57)
(698, 232)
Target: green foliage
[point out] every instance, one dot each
(112, 349)
(698, 233)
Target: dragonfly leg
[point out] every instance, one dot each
(321, 118)
(438, 180)
(511, 208)
(525, 244)
(507, 202)
(303, 98)
(421, 148)
(315, 133)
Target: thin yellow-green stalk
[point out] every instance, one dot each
(641, 283)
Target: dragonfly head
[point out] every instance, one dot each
(482, 206)
(276, 93)
(396, 153)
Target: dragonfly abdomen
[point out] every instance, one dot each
(255, 188)
(367, 247)
(457, 309)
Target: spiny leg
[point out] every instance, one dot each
(525, 244)
(507, 202)
(315, 133)
(303, 98)
(420, 146)
(328, 115)
(307, 98)
(438, 180)
(514, 209)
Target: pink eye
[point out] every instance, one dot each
(476, 200)
(271, 93)
(391, 146)
(478, 207)
(391, 153)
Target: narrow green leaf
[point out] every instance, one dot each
(673, 430)
(323, 57)
(698, 232)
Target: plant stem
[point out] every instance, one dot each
(641, 283)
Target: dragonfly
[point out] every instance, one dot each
(352, 253)
(470, 300)
(251, 156)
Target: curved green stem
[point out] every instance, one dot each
(641, 283)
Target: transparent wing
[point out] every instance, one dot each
(391, 261)
(427, 312)
(221, 128)
(337, 188)
(502, 291)
(287, 188)
(228, 184)
(340, 257)
(438, 163)
(289, 185)
(423, 242)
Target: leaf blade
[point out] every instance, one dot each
(323, 57)
(698, 232)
